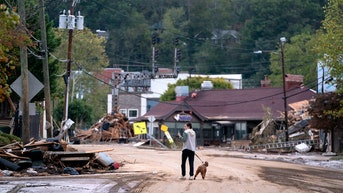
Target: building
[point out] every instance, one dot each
(221, 116)
(136, 97)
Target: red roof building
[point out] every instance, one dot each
(226, 115)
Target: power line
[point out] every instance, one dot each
(209, 105)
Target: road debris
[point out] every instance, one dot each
(110, 128)
(51, 156)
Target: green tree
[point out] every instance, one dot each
(36, 53)
(203, 28)
(329, 46)
(272, 19)
(79, 111)
(174, 24)
(330, 41)
(89, 58)
(194, 83)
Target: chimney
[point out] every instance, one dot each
(293, 80)
(266, 82)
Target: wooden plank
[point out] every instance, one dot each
(74, 158)
(97, 151)
(69, 154)
(15, 156)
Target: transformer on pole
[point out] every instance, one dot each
(68, 22)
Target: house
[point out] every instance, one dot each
(221, 116)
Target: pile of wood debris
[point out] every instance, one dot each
(298, 129)
(109, 128)
(52, 156)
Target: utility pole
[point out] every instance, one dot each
(67, 75)
(177, 56)
(45, 53)
(283, 41)
(25, 81)
(68, 21)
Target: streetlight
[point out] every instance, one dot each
(283, 41)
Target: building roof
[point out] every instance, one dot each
(107, 74)
(233, 105)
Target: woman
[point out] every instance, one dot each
(188, 150)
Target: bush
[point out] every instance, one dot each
(7, 138)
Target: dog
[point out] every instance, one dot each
(202, 169)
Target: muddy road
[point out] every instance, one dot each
(154, 170)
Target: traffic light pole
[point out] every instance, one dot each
(154, 66)
(175, 59)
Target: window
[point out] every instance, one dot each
(123, 111)
(133, 113)
(241, 131)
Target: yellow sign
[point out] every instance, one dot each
(164, 128)
(170, 139)
(139, 128)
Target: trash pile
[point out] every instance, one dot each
(109, 128)
(265, 136)
(52, 157)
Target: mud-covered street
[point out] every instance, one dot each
(155, 170)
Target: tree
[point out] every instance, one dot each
(330, 41)
(200, 24)
(174, 24)
(89, 58)
(272, 19)
(329, 48)
(79, 111)
(88, 53)
(11, 39)
(37, 53)
(194, 83)
(299, 59)
(326, 111)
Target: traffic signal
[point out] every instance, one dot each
(176, 41)
(156, 54)
(178, 69)
(155, 68)
(178, 54)
(154, 38)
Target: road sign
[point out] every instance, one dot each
(164, 128)
(170, 139)
(34, 86)
(152, 118)
(139, 128)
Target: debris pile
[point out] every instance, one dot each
(109, 128)
(268, 135)
(52, 156)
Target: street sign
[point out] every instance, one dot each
(170, 139)
(183, 117)
(152, 118)
(34, 86)
(139, 128)
(164, 128)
